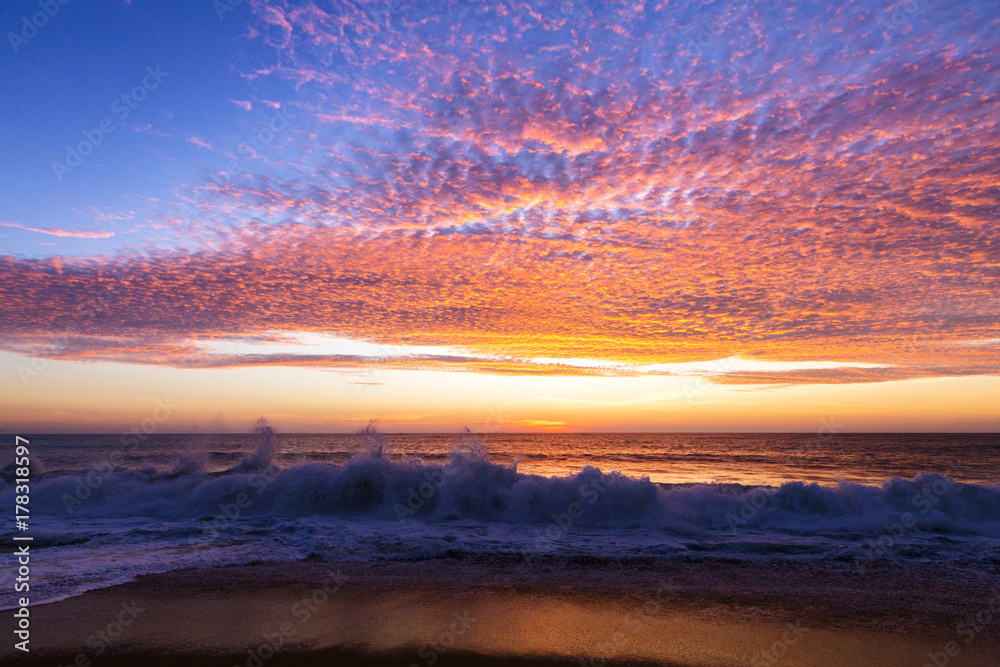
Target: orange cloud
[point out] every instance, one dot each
(529, 185)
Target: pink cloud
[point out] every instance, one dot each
(76, 233)
(201, 142)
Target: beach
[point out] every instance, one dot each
(549, 610)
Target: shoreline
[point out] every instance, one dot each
(555, 610)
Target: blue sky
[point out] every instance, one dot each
(66, 79)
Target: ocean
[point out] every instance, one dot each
(107, 508)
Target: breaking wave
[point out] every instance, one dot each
(468, 486)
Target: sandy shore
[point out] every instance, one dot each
(504, 611)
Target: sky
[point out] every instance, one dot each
(561, 216)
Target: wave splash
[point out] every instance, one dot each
(468, 486)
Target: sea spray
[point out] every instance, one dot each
(471, 487)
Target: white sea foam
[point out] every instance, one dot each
(470, 486)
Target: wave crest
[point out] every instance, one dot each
(468, 486)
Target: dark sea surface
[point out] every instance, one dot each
(751, 458)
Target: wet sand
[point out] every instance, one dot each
(497, 610)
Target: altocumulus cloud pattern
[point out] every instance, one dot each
(574, 187)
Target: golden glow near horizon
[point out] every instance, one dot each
(103, 397)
